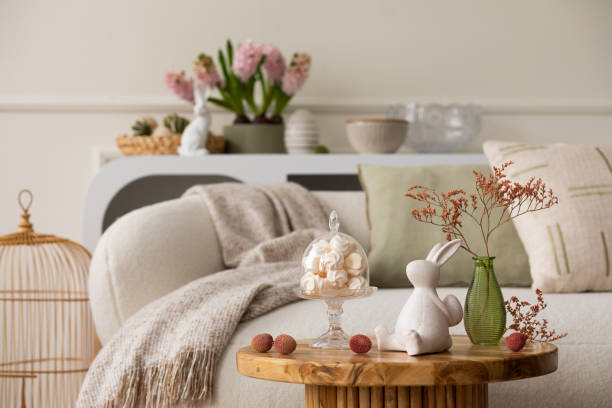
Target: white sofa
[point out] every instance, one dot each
(158, 248)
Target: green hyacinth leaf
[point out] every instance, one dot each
(230, 52)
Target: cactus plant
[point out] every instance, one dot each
(144, 126)
(175, 123)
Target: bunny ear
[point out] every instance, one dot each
(205, 93)
(201, 92)
(446, 252)
(197, 94)
(433, 251)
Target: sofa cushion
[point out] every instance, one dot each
(569, 244)
(146, 254)
(396, 238)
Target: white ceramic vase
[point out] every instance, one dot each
(301, 133)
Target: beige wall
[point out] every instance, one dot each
(75, 73)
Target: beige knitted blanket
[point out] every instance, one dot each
(166, 353)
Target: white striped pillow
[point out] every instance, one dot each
(569, 245)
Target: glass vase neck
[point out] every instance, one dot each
(486, 261)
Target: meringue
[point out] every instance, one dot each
(331, 260)
(324, 285)
(340, 244)
(337, 277)
(309, 282)
(356, 283)
(311, 263)
(319, 248)
(354, 264)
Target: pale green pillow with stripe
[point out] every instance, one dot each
(568, 244)
(396, 238)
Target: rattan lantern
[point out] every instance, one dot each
(47, 340)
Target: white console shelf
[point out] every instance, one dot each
(263, 169)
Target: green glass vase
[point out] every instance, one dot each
(485, 314)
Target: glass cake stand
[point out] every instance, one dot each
(334, 269)
(335, 337)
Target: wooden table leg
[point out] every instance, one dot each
(391, 397)
(449, 396)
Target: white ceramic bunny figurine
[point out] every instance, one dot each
(422, 325)
(193, 141)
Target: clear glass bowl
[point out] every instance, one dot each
(334, 268)
(436, 128)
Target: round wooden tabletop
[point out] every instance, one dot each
(463, 364)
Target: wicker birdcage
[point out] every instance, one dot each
(48, 339)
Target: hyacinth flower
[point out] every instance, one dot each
(178, 83)
(294, 78)
(246, 61)
(274, 67)
(246, 66)
(205, 71)
(239, 73)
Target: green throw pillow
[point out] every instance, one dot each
(396, 238)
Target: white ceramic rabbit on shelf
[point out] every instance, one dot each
(193, 141)
(422, 325)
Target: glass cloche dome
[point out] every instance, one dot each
(334, 265)
(334, 269)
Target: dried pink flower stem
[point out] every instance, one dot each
(524, 316)
(494, 191)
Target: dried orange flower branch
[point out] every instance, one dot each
(494, 191)
(524, 319)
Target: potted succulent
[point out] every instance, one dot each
(257, 127)
(149, 138)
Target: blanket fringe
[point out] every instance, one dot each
(187, 379)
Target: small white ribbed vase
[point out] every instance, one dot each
(301, 133)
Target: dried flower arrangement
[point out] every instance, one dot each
(524, 316)
(251, 64)
(493, 192)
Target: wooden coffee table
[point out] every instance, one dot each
(456, 378)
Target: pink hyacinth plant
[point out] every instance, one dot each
(238, 75)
